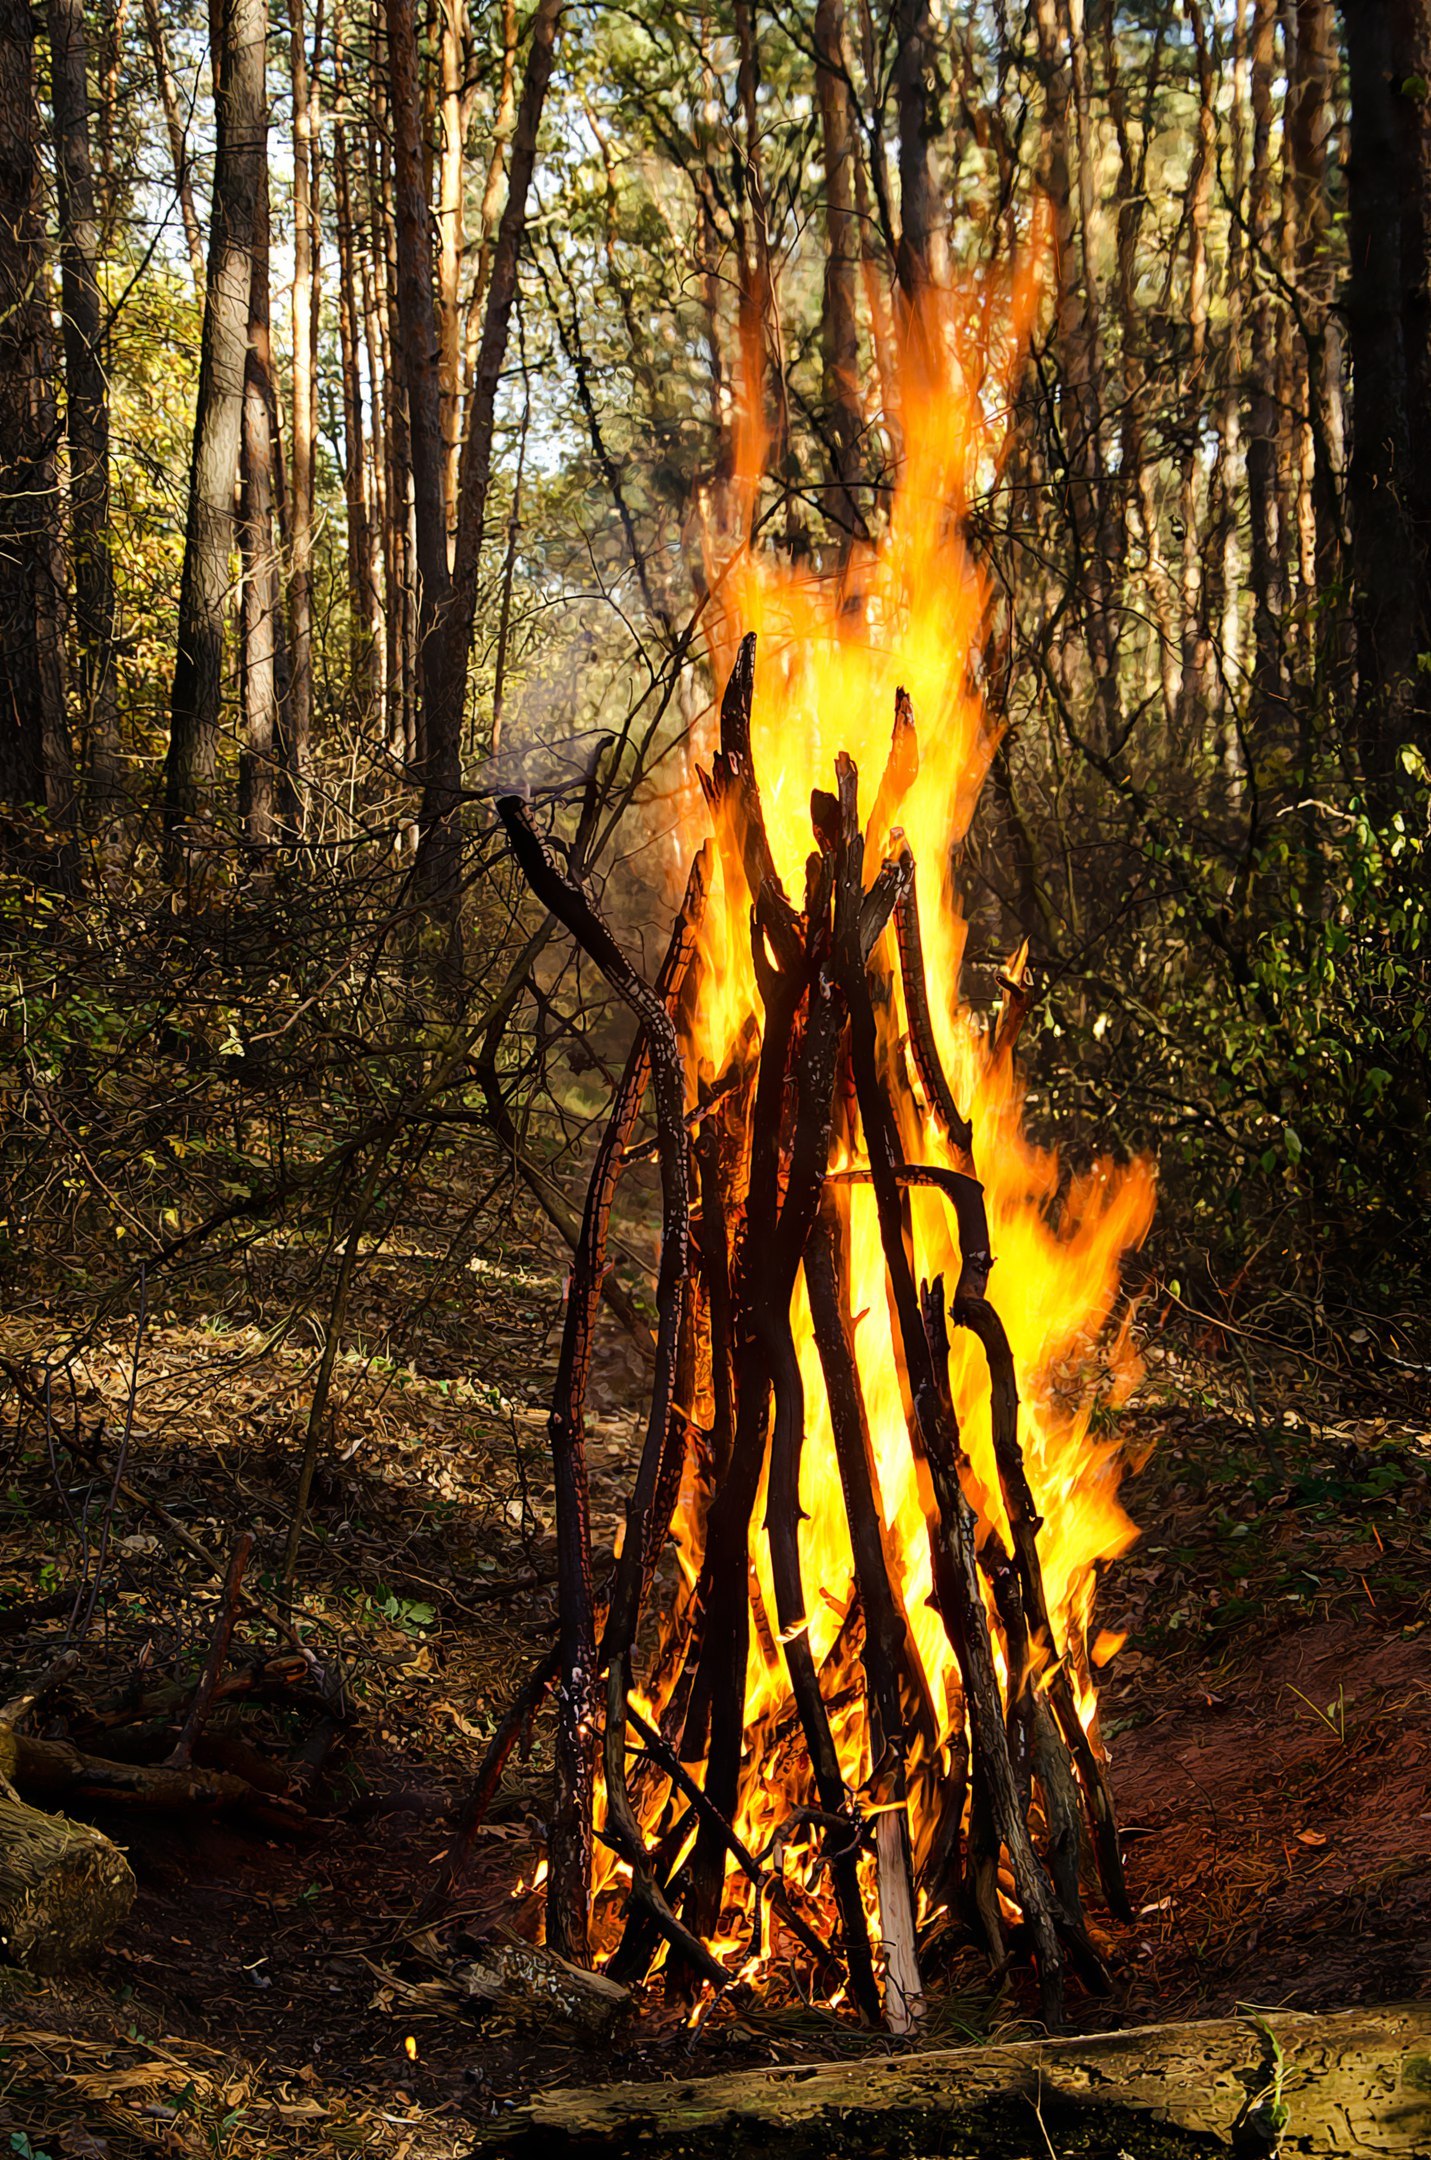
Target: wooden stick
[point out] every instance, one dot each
(767, 1885)
(623, 1833)
(899, 775)
(927, 1063)
(953, 1538)
(523, 1706)
(569, 1829)
(824, 1025)
(715, 1712)
(218, 1653)
(972, 1309)
(888, 1659)
(979, 1317)
(733, 793)
(567, 898)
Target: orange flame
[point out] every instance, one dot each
(909, 610)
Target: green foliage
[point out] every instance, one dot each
(1331, 1046)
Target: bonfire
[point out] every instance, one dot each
(859, 1712)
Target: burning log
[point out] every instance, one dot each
(897, 1780)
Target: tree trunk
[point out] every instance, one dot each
(415, 330)
(34, 750)
(502, 125)
(305, 405)
(1265, 553)
(1385, 595)
(263, 663)
(364, 659)
(440, 837)
(86, 395)
(839, 321)
(1411, 102)
(1092, 531)
(451, 21)
(922, 260)
(762, 344)
(239, 164)
(1309, 122)
(178, 138)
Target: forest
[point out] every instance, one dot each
(715, 1077)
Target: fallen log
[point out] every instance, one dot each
(1354, 2083)
(53, 1770)
(63, 1887)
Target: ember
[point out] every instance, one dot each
(864, 1713)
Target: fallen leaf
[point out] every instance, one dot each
(1310, 1837)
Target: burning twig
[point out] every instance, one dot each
(927, 1063)
(953, 1537)
(768, 1885)
(887, 1661)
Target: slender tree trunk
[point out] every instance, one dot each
(1197, 671)
(1309, 104)
(839, 319)
(362, 664)
(416, 329)
(762, 341)
(922, 259)
(1265, 557)
(178, 137)
(504, 122)
(1411, 100)
(451, 16)
(86, 395)
(1090, 527)
(440, 838)
(239, 164)
(405, 718)
(109, 57)
(1384, 554)
(305, 402)
(263, 663)
(34, 749)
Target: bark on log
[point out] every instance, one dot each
(63, 1887)
(53, 1770)
(1354, 2083)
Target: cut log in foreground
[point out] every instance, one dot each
(993, 1777)
(64, 1887)
(1355, 2084)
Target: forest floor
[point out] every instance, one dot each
(1269, 1719)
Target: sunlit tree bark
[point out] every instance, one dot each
(86, 395)
(34, 750)
(239, 164)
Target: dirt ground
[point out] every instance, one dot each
(1269, 1722)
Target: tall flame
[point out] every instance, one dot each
(908, 610)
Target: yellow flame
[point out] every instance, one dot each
(909, 610)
